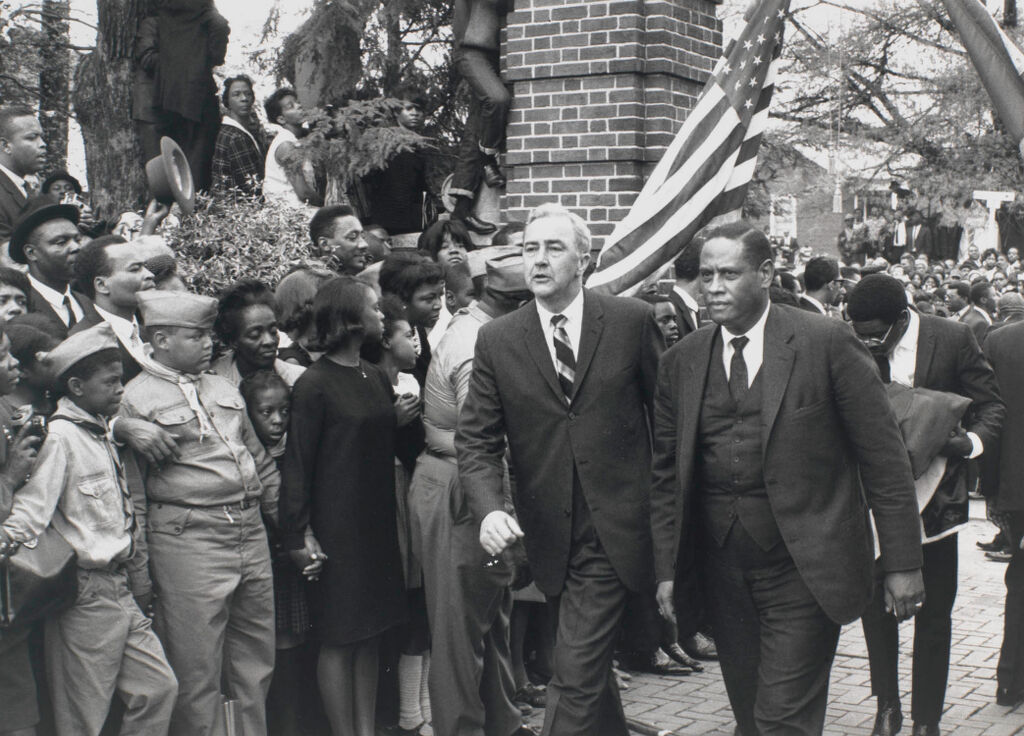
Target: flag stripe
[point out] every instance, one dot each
(706, 170)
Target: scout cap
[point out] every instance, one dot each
(505, 274)
(177, 309)
(477, 259)
(80, 346)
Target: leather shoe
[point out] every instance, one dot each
(482, 227)
(493, 176)
(926, 729)
(997, 544)
(700, 646)
(999, 556)
(889, 720)
(1010, 698)
(655, 663)
(674, 651)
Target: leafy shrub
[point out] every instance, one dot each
(226, 239)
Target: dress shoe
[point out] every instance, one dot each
(700, 646)
(889, 720)
(493, 176)
(525, 730)
(481, 227)
(676, 652)
(997, 543)
(534, 695)
(655, 663)
(998, 556)
(926, 729)
(1009, 698)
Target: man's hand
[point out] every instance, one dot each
(156, 213)
(21, 456)
(904, 593)
(497, 531)
(7, 545)
(150, 440)
(958, 444)
(666, 604)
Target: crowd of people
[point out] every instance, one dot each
(430, 481)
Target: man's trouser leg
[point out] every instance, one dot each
(775, 644)
(468, 605)
(215, 611)
(1010, 671)
(101, 646)
(933, 630)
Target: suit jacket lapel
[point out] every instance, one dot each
(537, 346)
(13, 189)
(777, 366)
(590, 335)
(693, 387)
(925, 353)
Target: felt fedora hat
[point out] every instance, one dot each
(38, 210)
(170, 177)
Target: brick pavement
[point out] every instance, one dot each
(697, 704)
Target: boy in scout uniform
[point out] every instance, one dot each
(104, 643)
(208, 552)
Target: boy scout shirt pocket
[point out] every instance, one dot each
(228, 412)
(98, 503)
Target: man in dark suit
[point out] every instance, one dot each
(46, 239)
(822, 285)
(771, 430)
(569, 380)
(22, 154)
(978, 314)
(938, 354)
(111, 271)
(920, 238)
(1003, 472)
(684, 294)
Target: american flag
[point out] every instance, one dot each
(703, 176)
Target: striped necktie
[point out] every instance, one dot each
(565, 360)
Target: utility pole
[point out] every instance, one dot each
(1009, 13)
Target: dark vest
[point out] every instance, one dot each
(731, 464)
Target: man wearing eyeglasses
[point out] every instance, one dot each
(822, 285)
(920, 351)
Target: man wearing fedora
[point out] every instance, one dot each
(46, 239)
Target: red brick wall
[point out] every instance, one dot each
(599, 87)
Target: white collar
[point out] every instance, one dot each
(573, 312)
(816, 303)
(688, 300)
(755, 334)
(228, 120)
(903, 359)
(48, 293)
(122, 327)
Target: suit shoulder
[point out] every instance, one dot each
(625, 306)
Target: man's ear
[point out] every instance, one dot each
(99, 285)
(74, 387)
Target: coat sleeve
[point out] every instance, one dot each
(978, 382)
(882, 458)
(480, 436)
(652, 345)
(304, 428)
(665, 487)
(36, 502)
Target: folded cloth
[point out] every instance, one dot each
(926, 418)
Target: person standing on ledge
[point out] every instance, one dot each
(476, 26)
(772, 438)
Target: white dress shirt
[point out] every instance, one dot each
(573, 325)
(127, 333)
(56, 300)
(816, 304)
(753, 352)
(903, 364)
(690, 303)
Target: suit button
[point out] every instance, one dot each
(572, 415)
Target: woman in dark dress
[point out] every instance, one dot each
(339, 481)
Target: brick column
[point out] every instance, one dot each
(599, 89)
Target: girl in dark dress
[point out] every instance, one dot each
(339, 481)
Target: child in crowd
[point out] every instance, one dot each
(208, 550)
(293, 706)
(103, 644)
(396, 354)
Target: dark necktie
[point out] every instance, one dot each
(71, 311)
(565, 360)
(738, 368)
(884, 368)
